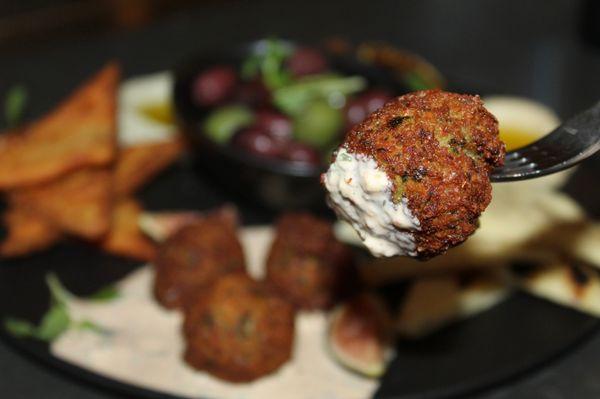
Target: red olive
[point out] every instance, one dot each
(360, 107)
(214, 86)
(253, 93)
(257, 142)
(277, 125)
(302, 153)
(306, 61)
(374, 99)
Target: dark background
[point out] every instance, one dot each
(545, 49)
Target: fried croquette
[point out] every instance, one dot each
(307, 264)
(239, 330)
(195, 256)
(413, 178)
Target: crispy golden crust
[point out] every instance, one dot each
(194, 257)
(137, 165)
(124, 237)
(79, 132)
(307, 264)
(240, 330)
(27, 233)
(438, 149)
(78, 203)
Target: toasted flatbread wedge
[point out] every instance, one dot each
(586, 245)
(139, 164)
(26, 233)
(430, 303)
(574, 285)
(434, 302)
(78, 203)
(125, 237)
(79, 132)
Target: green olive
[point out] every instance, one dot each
(223, 122)
(318, 124)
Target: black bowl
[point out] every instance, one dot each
(276, 184)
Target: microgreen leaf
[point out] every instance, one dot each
(58, 293)
(270, 63)
(250, 67)
(19, 328)
(14, 105)
(93, 327)
(54, 323)
(417, 82)
(106, 294)
(57, 319)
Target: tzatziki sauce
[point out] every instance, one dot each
(361, 193)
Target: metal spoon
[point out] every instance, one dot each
(570, 143)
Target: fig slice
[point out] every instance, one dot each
(161, 225)
(360, 335)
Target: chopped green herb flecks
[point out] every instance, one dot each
(400, 185)
(345, 157)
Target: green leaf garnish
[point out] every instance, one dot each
(19, 328)
(293, 98)
(55, 322)
(93, 327)
(417, 82)
(270, 63)
(14, 105)
(250, 67)
(57, 319)
(106, 294)
(58, 292)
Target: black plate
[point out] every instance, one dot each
(506, 342)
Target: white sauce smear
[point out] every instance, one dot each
(361, 194)
(145, 345)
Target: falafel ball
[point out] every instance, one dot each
(413, 178)
(239, 330)
(307, 264)
(195, 256)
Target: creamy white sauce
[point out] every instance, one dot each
(145, 345)
(361, 193)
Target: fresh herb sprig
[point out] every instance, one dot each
(14, 105)
(57, 319)
(269, 61)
